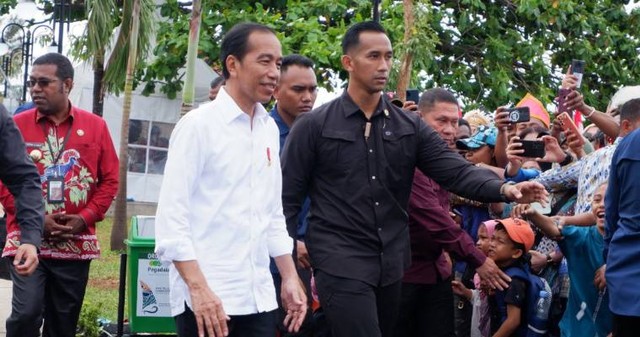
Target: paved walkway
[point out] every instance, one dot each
(5, 304)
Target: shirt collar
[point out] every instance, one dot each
(350, 107)
(72, 114)
(231, 110)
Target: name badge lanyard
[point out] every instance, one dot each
(55, 187)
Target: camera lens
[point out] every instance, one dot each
(514, 116)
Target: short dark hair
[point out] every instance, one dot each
(295, 60)
(236, 40)
(218, 81)
(630, 110)
(464, 122)
(351, 38)
(64, 68)
(433, 96)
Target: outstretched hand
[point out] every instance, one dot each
(527, 192)
(490, 273)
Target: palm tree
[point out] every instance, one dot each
(97, 38)
(192, 53)
(407, 59)
(136, 15)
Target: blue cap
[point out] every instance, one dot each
(485, 135)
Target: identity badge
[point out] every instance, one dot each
(55, 190)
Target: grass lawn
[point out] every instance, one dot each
(102, 290)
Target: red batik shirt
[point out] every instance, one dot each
(89, 164)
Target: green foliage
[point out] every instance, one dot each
(102, 289)
(88, 325)
(7, 5)
(490, 53)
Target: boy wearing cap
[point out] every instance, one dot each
(512, 239)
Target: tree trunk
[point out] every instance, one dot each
(98, 86)
(119, 230)
(188, 92)
(404, 78)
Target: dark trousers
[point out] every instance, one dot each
(426, 310)
(625, 326)
(308, 326)
(54, 292)
(356, 309)
(255, 325)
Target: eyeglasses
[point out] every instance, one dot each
(42, 82)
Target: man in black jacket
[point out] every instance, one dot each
(19, 174)
(355, 157)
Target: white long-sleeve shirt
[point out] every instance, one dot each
(221, 204)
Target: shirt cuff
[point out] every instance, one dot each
(279, 247)
(90, 218)
(33, 237)
(175, 250)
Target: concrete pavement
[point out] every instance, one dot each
(5, 305)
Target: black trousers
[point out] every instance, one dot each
(256, 325)
(625, 326)
(356, 309)
(54, 292)
(426, 310)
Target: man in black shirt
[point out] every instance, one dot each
(19, 174)
(354, 157)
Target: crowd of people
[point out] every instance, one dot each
(363, 217)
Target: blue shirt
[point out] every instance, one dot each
(523, 175)
(622, 227)
(284, 132)
(582, 247)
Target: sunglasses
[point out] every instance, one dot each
(42, 82)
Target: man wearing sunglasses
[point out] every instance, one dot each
(78, 172)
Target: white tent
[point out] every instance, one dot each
(153, 119)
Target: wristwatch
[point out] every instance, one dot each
(567, 160)
(502, 188)
(549, 259)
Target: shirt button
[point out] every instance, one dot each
(377, 203)
(370, 150)
(381, 253)
(373, 177)
(379, 229)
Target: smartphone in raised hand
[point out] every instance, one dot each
(568, 126)
(577, 69)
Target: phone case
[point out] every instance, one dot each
(569, 126)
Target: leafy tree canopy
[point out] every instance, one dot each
(490, 53)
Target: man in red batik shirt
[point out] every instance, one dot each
(78, 170)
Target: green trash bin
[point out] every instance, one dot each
(147, 281)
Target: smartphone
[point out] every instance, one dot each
(577, 69)
(532, 148)
(413, 95)
(519, 115)
(562, 97)
(569, 126)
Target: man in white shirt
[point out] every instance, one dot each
(220, 214)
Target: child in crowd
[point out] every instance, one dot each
(511, 241)
(477, 298)
(587, 312)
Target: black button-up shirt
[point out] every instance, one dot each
(359, 186)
